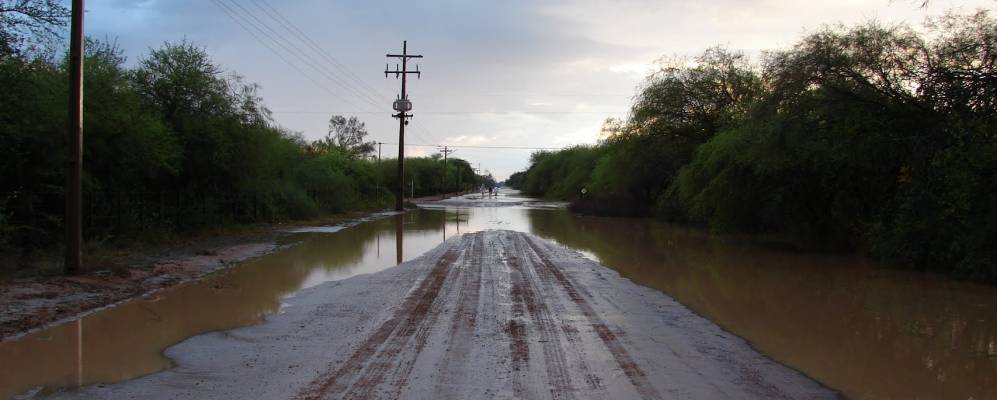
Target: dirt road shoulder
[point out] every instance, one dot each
(29, 304)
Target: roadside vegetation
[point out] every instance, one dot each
(173, 145)
(876, 138)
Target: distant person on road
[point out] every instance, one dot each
(490, 191)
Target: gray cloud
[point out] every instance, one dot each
(544, 58)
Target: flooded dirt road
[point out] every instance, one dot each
(494, 314)
(868, 332)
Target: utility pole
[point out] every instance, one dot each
(477, 173)
(402, 105)
(379, 151)
(74, 168)
(446, 151)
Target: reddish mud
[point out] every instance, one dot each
(493, 314)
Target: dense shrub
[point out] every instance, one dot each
(562, 174)
(424, 176)
(872, 137)
(174, 143)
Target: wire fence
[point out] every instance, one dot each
(127, 211)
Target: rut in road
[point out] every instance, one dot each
(527, 290)
(501, 314)
(608, 337)
(493, 314)
(538, 338)
(379, 354)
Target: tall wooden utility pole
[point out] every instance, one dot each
(402, 105)
(74, 167)
(446, 151)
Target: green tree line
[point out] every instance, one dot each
(174, 144)
(870, 137)
(429, 176)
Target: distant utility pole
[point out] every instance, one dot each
(379, 151)
(74, 168)
(446, 151)
(402, 105)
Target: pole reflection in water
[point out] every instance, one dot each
(869, 332)
(128, 340)
(79, 352)
(399, 239)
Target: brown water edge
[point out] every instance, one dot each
(871, 333)
(127, 340)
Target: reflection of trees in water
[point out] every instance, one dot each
(861, 329)
(867, 331)
(424, 220)
(126, 341)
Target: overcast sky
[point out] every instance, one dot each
(496, 73)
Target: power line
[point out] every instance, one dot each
(364, 88)
(311, 43)
(331, 74)
(420, 127)
(294, 50)
(468, 146)
(239, 20)
(245, 23)
(245, 19)
(295, 31)
(551, 94)
(457, 112)
(305, 56)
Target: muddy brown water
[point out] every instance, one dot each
(868, 332)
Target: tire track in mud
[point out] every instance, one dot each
(519, 347)
(372, 360)
(570, 331)
(465, 319)
(466, 316)
(410, 339)
(526, 294)
(623, 359)
(385, 359)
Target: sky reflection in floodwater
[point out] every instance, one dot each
(868, 332)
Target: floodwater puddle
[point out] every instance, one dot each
(868, 332)
(127, 340)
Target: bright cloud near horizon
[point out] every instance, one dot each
(514, 73)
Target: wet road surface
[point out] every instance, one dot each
(493, 314)
(866, 331)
